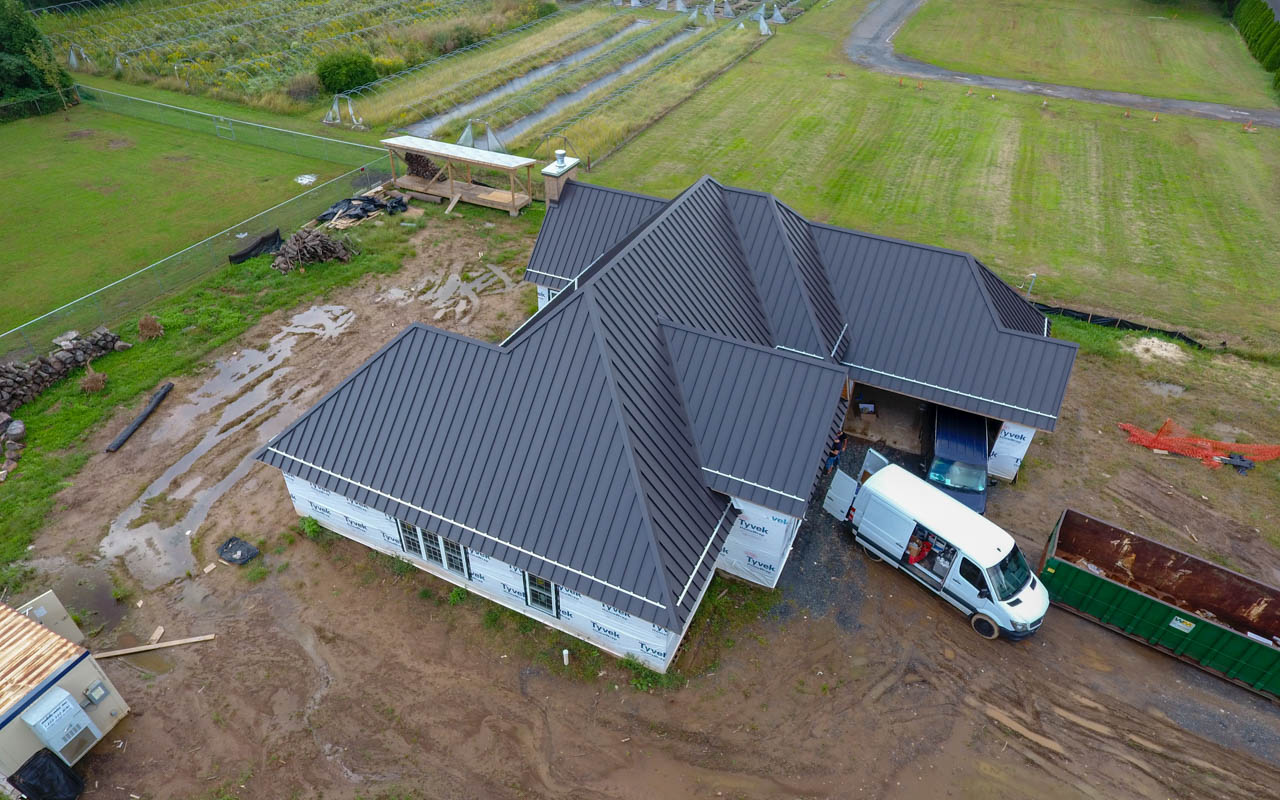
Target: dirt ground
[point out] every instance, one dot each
(335, 677)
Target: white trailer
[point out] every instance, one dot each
(943, 545)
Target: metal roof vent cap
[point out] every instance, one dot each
(559, 158)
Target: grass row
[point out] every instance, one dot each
(639, 44)
(1184, 49)
(651, 96)
(433, 90)
(1175, 221)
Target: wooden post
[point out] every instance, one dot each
(528, 181)
(449, 166)
(511, 175)
(391, 155)
(468, 172)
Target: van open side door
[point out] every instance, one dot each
(872, 463)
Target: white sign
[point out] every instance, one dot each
(1008, 451)
(1184, 625)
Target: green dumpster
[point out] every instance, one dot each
(1198, 611)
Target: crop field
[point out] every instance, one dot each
(104, 195)
(244, 50)
(1184, 49)
(1175, 220)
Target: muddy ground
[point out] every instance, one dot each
(335, 676)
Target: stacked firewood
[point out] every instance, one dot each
(309, 246)
(421, 166)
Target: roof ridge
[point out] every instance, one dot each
(777, 206)
(611, 379)
(773, 351)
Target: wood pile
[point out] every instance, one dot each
(309, 246)
(421, 166)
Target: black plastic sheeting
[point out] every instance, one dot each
(46, 777)
(266, 243)
(1115, 322)
(156, 400)
(361, 207)
(237, 551)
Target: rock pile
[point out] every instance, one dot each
(22, 383)
(13, 435)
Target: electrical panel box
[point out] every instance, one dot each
(61, 724)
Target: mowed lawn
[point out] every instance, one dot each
(1183, 49)
(1176, 220)
(98, 196)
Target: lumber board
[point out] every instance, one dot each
(145, 647)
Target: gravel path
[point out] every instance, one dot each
(871, 45)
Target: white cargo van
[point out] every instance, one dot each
(944, 545)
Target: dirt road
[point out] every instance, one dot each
(870, 44)
(335, 676)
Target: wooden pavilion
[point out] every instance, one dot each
(453, 182)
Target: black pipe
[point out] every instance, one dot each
(156, 399)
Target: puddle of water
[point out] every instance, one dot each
(1165, 389)
(153, 661)
(84, 592)
(247, 386)
(520, 126)
(430, 125)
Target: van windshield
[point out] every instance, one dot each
(1010, 575)
(958, 475)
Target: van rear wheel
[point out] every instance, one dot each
(984, 626)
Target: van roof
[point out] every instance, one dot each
(978, 537)
(960, 436)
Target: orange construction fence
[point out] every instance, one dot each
(1176, 439)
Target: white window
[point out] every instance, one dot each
(434, 548)
(409, 540)
(541, 594)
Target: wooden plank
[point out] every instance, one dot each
(453, 202)
(145, 647)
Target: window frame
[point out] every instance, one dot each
(981, 574)
(410, 533)
(552, 592)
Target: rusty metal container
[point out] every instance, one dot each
(1219, 620)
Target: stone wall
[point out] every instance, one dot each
(22, 383)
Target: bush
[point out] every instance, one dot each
(343, 71)
(149, 328)
(545, 9)
(92, 382)
(644, 679)
(458, 596)
(28, 67)
(303, 87)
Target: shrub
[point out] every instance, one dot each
(92, 382)
(303, 87)
(149, 328)
(644, 679)
(493, 619)
(345, 70)
(458, 596)
(545, 9)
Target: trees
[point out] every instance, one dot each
(20, 77)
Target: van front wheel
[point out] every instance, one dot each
(984, 626)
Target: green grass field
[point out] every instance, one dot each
(1177, 220)
(102, 195)
(1183, 49)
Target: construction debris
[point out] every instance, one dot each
(309, 246)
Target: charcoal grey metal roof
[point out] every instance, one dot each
(924, 323)
(436, 429)
(587, 222)
(761, 416)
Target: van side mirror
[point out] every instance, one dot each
(992, 481)
(985, 594)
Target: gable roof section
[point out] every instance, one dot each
(760, 416)
(925, 325)
(1013, 310)
(435, 430)
(586, 222)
